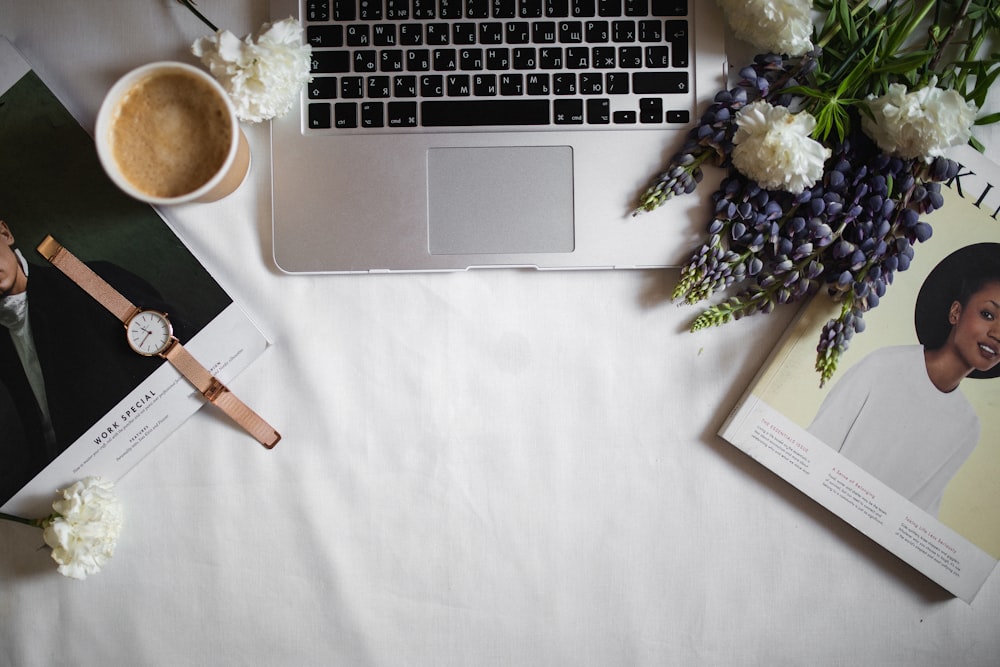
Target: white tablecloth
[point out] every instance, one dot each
(484, 468)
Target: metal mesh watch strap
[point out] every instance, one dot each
(219, 395)
(85, 277)
(206, 383)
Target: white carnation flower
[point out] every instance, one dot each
(778, 26)
(263, 76)
(773, 147)
(84, 530)
(919, 124)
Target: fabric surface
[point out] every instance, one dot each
(483, 468)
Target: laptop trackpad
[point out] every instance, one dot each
(500, 200)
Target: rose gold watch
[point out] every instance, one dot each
(150, 333)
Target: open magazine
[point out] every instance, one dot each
(926, 488)
(74, 399)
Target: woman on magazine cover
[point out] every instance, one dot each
(899, 413)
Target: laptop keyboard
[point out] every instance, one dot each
(425, 65)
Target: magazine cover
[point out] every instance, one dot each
(914, 466)
(74, 399)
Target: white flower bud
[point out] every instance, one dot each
(264, 76)
(773, 147)
(778, 26)
(84, 531)
(919, 124)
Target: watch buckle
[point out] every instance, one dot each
(214, 390)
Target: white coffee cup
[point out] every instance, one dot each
(167, 133)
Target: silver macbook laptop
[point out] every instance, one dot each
(443, 135)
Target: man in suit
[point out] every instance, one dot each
(64, 361)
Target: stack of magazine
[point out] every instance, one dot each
(75, 401)
(914, 467)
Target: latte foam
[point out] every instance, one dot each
(171, 134)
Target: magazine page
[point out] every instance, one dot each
(925, 486)
(75, 400)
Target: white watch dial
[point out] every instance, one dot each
(149, 332)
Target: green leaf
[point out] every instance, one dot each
(846, 19)
(906, 63)
(984, 81)
(988, 119)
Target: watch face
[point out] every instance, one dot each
(149, 332)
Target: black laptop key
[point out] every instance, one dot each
(504, 9)
(529, 9)
(397, 10)
(669, 7)
(657, 57)
(491, 33)
(458, 85)
(609, 7)
(411, 34)
(464, 33)
(616, 83)
(345, 115)
(345, 10)
(598, 111)
(402, 114)
(568, 112)
(352, 87)
(450, 9)
(424, 9)
(556, 8)
(477, 9)
(517, 32)
(319, 116)
(679, 116)
(323, 88)
(651, 31)
(438, 34)
(372, 114)
(583, 8)
(318, 10)
(384, 34)
(467, 113)
(659, 83)
(651, 110)
(331, 62)
(636, 7)
(325, 36)
(677, 34)
(571, 32)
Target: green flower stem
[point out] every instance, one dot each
(733, 308)
(37, 523)
(963, 11)
(190, 5)
(974, 42)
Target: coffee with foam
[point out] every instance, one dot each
(171, 133)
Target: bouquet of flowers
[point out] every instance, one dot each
(833, 139)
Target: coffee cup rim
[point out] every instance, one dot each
(106, 114)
